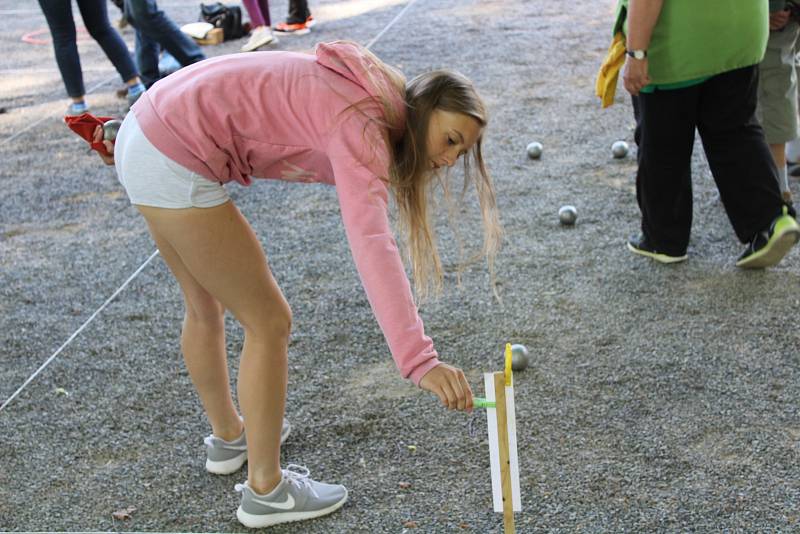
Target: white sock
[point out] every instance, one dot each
(782, 182)
(793, 150)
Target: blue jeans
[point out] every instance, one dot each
(154, 31)
(62, 27)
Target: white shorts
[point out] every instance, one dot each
(152, 179)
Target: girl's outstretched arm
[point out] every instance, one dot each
(364, 200)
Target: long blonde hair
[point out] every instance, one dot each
(410, 176)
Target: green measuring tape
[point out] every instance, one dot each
(480, 402)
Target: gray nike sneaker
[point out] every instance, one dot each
(226, 457)
(296, 498)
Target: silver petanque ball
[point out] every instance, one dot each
(110, 129)
(535, 150)
(519, 357)
(567, 215)
(619, 149)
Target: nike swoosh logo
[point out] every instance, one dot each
(288, 504)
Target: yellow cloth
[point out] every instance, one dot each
(606, 85)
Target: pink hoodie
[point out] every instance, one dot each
(280, 115)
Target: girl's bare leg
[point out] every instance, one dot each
(203, 346)
(220, 264)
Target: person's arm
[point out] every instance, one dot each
(363, 199)
(642, 18)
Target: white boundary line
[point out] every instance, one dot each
(47, 117)
(79, 330)
(402, 12)
(153, 255)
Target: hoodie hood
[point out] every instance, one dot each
(348, 60)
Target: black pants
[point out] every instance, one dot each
(298, 11)
(62, 26)
(722, 109)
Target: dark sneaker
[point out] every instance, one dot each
(768, 247)
(295, 28)
(640, 245)
(793, 168)
(226, 457)
(296, 498)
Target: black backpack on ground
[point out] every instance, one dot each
(227, 18)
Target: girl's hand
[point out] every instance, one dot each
(450, 385)
(97, 137)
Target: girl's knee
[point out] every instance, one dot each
(211, 315)
(280, 322)
(274, 324)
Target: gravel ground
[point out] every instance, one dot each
(660, 398)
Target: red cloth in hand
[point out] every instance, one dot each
(84, 125)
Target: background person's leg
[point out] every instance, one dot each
(154, 24)
(776, 108)
(147, 56)
(298, 12)
(299, 19)
(737, 152)
(257, 17)
(219, 250)
(95, 17)
(665, 129)
(261, 34)
(58, 14)
(263, 7)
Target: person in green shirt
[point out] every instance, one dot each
(694, 65)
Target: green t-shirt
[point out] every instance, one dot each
(696, 39)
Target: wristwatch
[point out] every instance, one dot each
(637, 54)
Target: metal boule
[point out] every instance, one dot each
(110, 129)
(619, 149)
(567, 215)
(519, 357)
(535, 150)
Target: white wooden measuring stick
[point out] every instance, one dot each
(494, 446)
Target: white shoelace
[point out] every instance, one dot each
(299, 477)
(293, 474)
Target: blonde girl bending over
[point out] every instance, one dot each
(340, 117)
